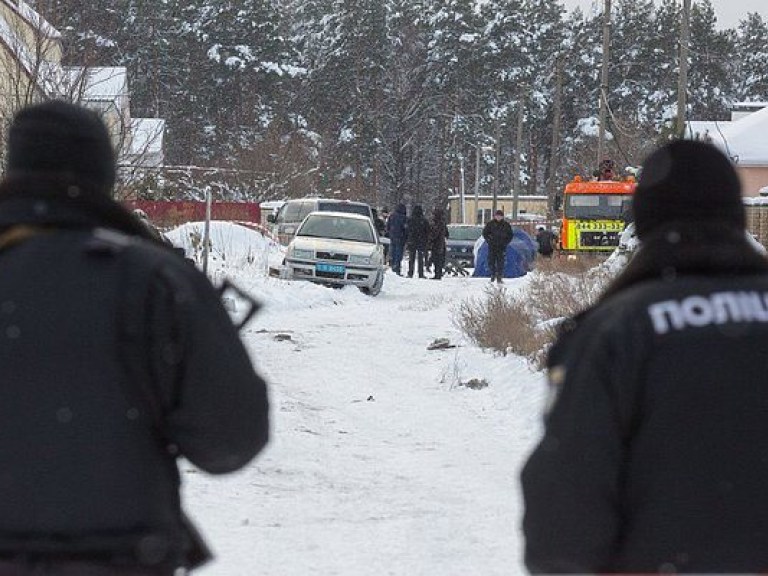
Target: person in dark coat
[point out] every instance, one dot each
(396, 232)
(497, 234)
(117, 359)
(381, 230)
(606, 170)
(438, 232)
(418, 237)
(653, 458)
(545, 241)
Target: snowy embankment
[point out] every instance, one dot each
(381, 462)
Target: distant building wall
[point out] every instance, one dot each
(753, 179)
(38, 38)
(481, 212)
(30, 52)
(30, 56)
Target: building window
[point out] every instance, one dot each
(483, 215)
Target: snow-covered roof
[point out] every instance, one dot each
(37, 21)
(146, 143)
(757, 200)
(748, 104)
(745, 140)
(706, 131)
(147, 135)
(98, 82)
(742, 139)
(47, 75)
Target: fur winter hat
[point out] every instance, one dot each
(687, 181)
(58, 137)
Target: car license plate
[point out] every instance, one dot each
(333, 268)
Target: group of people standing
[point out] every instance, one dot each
(424, 239)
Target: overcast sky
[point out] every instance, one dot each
(729, 12)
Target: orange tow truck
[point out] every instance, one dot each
(593, 214)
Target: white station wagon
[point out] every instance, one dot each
(335, 249)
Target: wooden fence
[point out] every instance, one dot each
(171, 213)
(757, 221)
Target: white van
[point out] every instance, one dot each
(292, 213)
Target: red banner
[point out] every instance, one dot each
(172, 213)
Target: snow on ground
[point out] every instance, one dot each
(380, 462)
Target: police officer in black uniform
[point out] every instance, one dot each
(654, 456)
(117, 359)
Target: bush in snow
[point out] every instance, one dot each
(500, 323)
(525, 322)
(561, 288)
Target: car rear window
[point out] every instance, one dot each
(344, 207)
(289, 213)
(464, 233)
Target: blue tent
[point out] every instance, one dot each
(520, 255)
(526, 244)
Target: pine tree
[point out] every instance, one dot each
(455, 36)
(708, 78)
(582, 59)
(346, 50)
(752, 44)
(544, 45)
(409, 121)
(384, 100)
(634, 63)
(507, 67)
(239, 63)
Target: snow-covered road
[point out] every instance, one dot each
(380, 462)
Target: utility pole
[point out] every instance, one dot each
(207, 228)
(556, 112)
(478, 151)
(604, 79)
(463, 208)
(518, 154)
(682, 83)
(496, 163)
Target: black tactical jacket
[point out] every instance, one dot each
(654, 457)
(116, 357)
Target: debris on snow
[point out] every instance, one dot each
(441, 344)
(475, 383)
